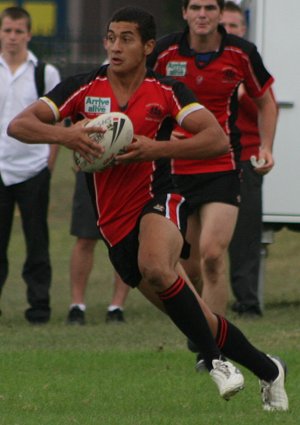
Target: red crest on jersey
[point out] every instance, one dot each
(154, 112)
(229, 74)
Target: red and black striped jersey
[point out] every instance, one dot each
(215, 83)
(121, 192)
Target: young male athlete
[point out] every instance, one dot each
(141, 217)
(213, 64)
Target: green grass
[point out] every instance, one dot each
(139, 373)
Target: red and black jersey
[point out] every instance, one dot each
(121, 192)
(215, 83)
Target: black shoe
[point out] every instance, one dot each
(192, 346)
(243, 310)
(115, 316)
(37, 316)
(76, 316)
(200, 364)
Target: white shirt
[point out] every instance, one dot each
(20, 161)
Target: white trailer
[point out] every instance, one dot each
(274, 28)
(273, 25)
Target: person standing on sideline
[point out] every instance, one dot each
(212, 64)
(245, 246)
(25, 170)
(83, 226)
(141, 215)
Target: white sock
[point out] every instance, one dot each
(82, 307)
(114, 307)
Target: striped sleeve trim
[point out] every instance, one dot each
(188, 109)
(52, 106)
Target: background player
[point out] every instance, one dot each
(245, 246)
(213, 63)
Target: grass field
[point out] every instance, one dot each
(139, 373)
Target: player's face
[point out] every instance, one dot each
(233, 23)
(14, 35)
(202, 16)
(125, 49)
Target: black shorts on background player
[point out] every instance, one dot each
(83, 220)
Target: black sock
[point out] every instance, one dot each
(234, 345)
(184, 310)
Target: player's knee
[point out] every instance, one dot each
(212, 260)
(212, 254)
(156, 275)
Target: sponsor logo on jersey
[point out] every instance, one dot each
(97, 105)
(176, 69)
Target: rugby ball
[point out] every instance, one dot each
(118, 135)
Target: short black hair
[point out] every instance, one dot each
(144, 20)
(16, 13)
(221, 3)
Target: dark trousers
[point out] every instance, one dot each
(32, 198)
(244, 249)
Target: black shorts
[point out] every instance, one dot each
(83, 221)
(200, 189)
(124, 255)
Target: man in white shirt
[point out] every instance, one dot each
(25, 170)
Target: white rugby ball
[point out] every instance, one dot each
(118, 135)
